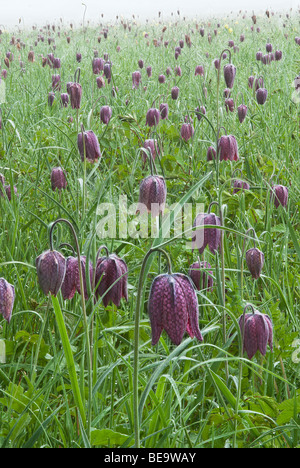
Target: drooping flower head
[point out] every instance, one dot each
(201, 275)
(257, 332)
(228, 148)
(255, 261)
(279, 195)
(153, 194)
(229, 75)
(88, 146)
(58, 179)
(51, 269)
(111, 279)
(203, 237)
(173, 307)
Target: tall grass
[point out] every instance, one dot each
(71, 380)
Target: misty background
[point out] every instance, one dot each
(40, 12)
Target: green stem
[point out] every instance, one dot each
(69, 357)
(136, 342)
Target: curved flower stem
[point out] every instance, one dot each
(242, 262)
(69, 358)
(239, 387)
(89, 363)
(136, 341)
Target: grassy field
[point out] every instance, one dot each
(83, 373)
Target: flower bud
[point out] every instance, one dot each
(174, 92)
(261, 95)
(7, 298)
(242, 112)
(229, 75)
(136, 78)
(105, 114)
(255, 262)
(64, 98)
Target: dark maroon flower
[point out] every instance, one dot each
(64, 97)
(105, 114)
(7, 189)
(107, 71)
(173, 307)
(58, 179)
(177, 71)
(164, 110)
(75, 92)
(279, 195)
(211, 153)
(111, 280)
(258, 83)
(199, 70)
(97, 65)
(228, 148)
(51, 98)
(259, 56)
(136, 79)
(251, 81)
(100, 82)
(227, 93)
(161, 79)
(257, 332)
(186, 131)
(229, 75)
(242, 112)
(152, 117)
(51, 269)
(261, 95)
(201, 275)
(7, 298)
(217, 64)
(152, 146)
(240, 185)
(229, 105)
(71, 283)
(255, 262)
(88, 146)
(278, 55)
(56, 84)
(203, 237)
(141, 63)
(56, 63)
(149, 71)
(174, 92)
(153, 194)
(78, 57)
(269, 47)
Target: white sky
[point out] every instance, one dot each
(41, 11)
